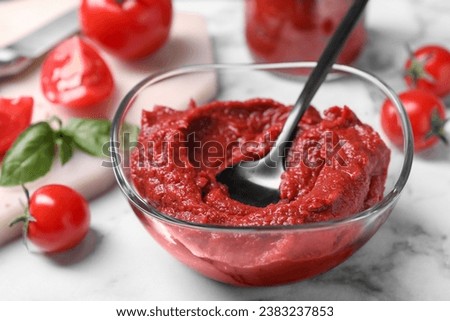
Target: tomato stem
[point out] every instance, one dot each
(25, 218)
(22, 218)
(437, 127)
(417, 71)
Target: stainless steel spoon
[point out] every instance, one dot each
(257, 182)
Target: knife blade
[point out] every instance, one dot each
(18, 56)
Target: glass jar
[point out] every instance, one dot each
(298, 30)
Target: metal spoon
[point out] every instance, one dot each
(257, 182)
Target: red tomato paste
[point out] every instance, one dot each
(298, 30)
(336, 165)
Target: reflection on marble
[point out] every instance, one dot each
(408, 259)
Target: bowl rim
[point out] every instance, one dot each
(145, 207)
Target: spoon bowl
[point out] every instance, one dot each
(254, 183)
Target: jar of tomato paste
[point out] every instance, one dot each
(298, 30)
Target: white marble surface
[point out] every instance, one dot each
(408, 259)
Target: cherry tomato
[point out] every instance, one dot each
(75, 75)
(130, 29)
(429, 68)
(426, 113)
(60, 218)
(15, 116)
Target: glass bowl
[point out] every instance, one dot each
(269, 255)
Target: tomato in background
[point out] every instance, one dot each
(60, 218)
(75, 75)
(15, 116)
(426, 113)
(130, 29)
(428, 68)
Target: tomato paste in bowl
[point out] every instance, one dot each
(336, 166)
(333, 195)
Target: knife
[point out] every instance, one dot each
(18, 56)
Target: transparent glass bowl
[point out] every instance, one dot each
(249, 256)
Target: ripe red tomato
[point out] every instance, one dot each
(426, 113)
(130, 29)
(15, 116)
(428, 68)
(60, 218)
(75, 75)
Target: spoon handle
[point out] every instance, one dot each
(318, 75)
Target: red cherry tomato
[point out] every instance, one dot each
(15, 116)
(75, 75)
(426, 113)
(61, 218)
(428, 68)
(130, 29)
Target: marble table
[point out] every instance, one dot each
(408, 259)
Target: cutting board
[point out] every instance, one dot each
(189, 43)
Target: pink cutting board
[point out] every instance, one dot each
(189, 43)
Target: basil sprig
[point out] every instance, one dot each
(32, 154)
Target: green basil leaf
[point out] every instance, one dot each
(89, 135)
(30, 157)
(65, 144)
(129, 135)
